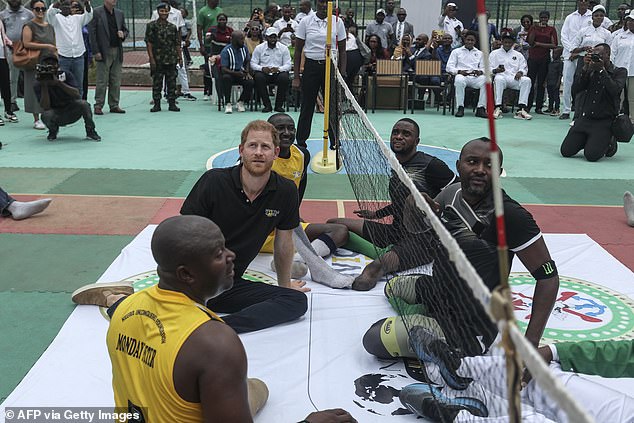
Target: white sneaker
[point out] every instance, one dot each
(522, 114)
(228, 109)
(206, 97)
(11, 117)
(39, 124)
(497, 113)
(240, 107)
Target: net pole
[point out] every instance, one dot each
(324, 157)
(513, 363)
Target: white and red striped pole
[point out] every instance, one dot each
(513, 362)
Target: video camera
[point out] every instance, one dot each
(45, 72)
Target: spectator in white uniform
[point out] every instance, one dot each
(467, 64)
(510, 70)
(451, 25)
(573, 24)
(623, 57)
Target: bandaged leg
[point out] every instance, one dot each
(320, 271)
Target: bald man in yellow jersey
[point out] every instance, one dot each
(173, 359)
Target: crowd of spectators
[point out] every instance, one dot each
(532, 58)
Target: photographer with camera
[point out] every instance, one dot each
(597, 90)
(59, 98)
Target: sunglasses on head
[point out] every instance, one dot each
(40, 9)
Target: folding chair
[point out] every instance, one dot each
(428, 69)
(387, 73)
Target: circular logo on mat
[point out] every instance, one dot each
(583, 311)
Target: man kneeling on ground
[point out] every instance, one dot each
(59, 97)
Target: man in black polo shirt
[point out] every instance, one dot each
(430, 175)
(247, 202)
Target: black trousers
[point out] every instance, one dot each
(281, 80)
(257, 305)
(354, 61)
(5, 85)
(553, 96)
(54, 118)
(537, 72)
(590, 135)
(313, 80)
(229, 80)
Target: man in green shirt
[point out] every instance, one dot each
(164, 50)
(206, 19)
(614, 358)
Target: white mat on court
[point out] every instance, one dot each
(309, 363)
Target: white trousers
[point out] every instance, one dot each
(502, 82)
(568, 77)
(477, 82)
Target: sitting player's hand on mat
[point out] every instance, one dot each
(336, 415)
(299, 286)
(366, 214)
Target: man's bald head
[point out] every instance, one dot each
(181, 240)
(479, 141)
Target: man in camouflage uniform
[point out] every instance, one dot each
(164, 50)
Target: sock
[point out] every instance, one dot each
(359, 245)
(21, 210)
(298, 268)
(628, 204)
(320, 271)
(402, 307)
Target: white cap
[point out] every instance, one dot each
(451, 5)
(597, 8)
(270, 31)
(381, 11)
(630, 15)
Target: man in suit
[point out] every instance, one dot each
(402, 27)
(107, 31)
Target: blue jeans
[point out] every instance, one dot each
(5, 200)
(74, 65)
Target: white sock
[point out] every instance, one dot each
(21, 210)
(320, 271)
(628, 205)
(320, 247)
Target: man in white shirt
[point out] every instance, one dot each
(285, 26)
(271, 62)
(69, 39)
(510, 70)
(311, 40)
(573, 24)
(466, 63)
(175, 17)
(305, 9)
(451, 25)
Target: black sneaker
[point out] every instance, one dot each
(460, 112)
(173, 108)
(156, 108)
(267, 110)
(539, 112)
(564, 116)
(52, 135)
(481, 112)
(93, 135)
(612, 147)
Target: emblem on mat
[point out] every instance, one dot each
(378, 393)
(583, 311)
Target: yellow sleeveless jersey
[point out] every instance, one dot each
(291, 168)
(145, 335)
